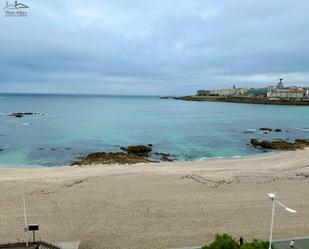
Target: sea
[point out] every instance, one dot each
(75, 125)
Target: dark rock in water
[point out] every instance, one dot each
(18, 115)
(302, 141)
(1, 149)
(21, 114)
(53, 149)
(111, 158)
(266, 129)
(168, 97)
(130, 155)
(165, 157)
(41, 149)
(138, 149)
(280, 144)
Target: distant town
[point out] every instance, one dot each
(279, 91)
(278, 94)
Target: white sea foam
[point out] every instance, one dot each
(301, 129)
(209, 158)
(252, 130)
(26, 123)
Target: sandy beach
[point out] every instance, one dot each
(158, 205)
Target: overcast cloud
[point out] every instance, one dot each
(153, 47)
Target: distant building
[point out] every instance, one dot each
(254, 92)
(286, 93)
(306, 93)
(222, 92)
(241, 91)
(280, 84)
(281, 92)
(203, 93)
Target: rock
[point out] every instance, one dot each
(266, 129)
(21, 114)
(166, 158)
(168, 97)
(280, 144)
(305, 142)
(130, 155)
(111, 158)
(41, 149)
(18, 115)
(1, 149)
(278, 130)
(138, 149)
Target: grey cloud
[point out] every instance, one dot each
(158, 47)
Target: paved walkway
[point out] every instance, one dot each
(300, 243)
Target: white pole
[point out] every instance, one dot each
(25, 218)
(272, 221)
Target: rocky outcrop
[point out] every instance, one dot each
(164, 157)
(21, 114)
(263, 129)
(110, 158)
(280, 144)
(130, 155)
(169, 97)
(266, 129)
(138, 149)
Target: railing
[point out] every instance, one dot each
(41, 244)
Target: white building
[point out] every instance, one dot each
(286, 93)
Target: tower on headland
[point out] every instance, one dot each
(280, 84)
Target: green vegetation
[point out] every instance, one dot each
(226, 241)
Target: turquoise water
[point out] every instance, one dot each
(79, 124)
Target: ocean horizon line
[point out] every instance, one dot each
(84, 94)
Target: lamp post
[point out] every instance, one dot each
(274, 200)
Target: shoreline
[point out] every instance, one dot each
(35, 166)
(166, 205)
(245, 100)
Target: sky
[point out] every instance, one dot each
(162, 47)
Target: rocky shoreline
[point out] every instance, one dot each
(278, 144)
(281, 144)
(129, 155)
(246, 100)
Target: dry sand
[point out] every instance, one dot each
(158, 205)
